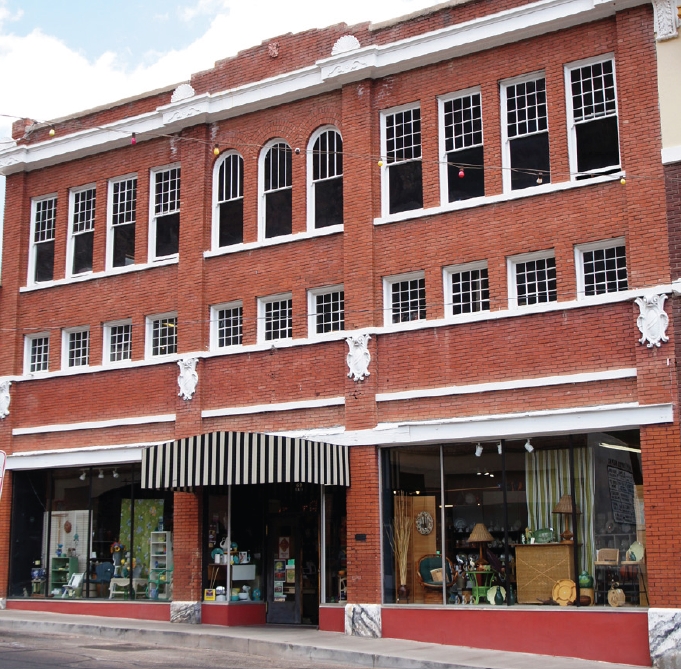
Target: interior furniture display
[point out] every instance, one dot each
(606, 567)
(61, 569)
(539, 567)
(161, 565)
(102, 577)
(429, 575)
(480, 536)
(565, 508)
(481, 581)
(73, 587)
(120, 587)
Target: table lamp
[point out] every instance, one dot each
(565, 508)
(480, 536)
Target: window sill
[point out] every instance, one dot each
(117, 271)
(274, 241)
(496, 199)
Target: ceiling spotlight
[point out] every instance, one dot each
(82, 476)
(528, 446)
(101, 474)
(115, 474)
(478, 450)
(499, 448)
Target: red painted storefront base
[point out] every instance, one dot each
(608, 636)
(332, 618)
(101, 607)
(233, 614)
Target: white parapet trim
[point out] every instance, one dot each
(278, 406)
(94, 424)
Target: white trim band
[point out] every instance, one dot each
(94, 424)
(280, 406)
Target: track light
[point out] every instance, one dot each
(82, 476)
(528, 446)
(499, 451)
(115, 474)
(478, 450)
(101, 474)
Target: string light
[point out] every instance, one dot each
(216, 150)
(461, 173)
(133, 139)
(51, 133)
(623, 181)
(380, 163)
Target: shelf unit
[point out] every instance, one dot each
(61, 569)
(161, 565)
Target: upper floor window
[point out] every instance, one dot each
(164, 236)
(276, 210)
(326, 309)
(601, 267)
(82, 230)
(43, 225)
(76, 348)
(462, 161)
(122, 220)
(525, 132)
(226, 324)
(592, 117)
(532, 278)
(228, 191)
(37, 353)
(275, 317)
(405, 298)
(325, 172)
(118, 341)
(466, 288)
(402, 185)
(161, 335)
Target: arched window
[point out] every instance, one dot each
(277, 204)
(325, 176)
(229, 198)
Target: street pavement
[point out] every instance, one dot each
(274, 647)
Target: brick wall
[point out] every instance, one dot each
(187, 542)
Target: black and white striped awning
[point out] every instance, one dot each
(238, 458)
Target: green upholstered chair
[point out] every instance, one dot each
(425, 577)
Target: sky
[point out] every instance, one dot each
(64, 56)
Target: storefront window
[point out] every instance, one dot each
(335, 545)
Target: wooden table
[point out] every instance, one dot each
(539, 566)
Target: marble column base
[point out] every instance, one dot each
(188, 613)
(664, 635)
(3, 603)
(363, 620)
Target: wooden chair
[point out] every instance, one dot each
(74, 587)
(432, 588)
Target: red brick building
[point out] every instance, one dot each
(416, 277)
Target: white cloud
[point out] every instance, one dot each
(6, 15)
(202, 8)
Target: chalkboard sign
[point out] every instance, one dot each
(621, 485)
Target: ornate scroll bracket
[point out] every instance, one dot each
(4, 398)
(188, 377)
(359, 357)
(666, 21)
(653, 320)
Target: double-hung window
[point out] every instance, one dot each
(164, 239)
(325, 172)
(525, 132)
(43, 225)
(117, 341)
(122, 219)
(275, 317)
(228, 226)
(592, 117)
(161, 335)
(82, 230)
(466, 289)
(532, 279)
(37, 353)
(404, 298)
(76, 347)
(462, 173)
(276, 209)
(226, 324)
(601, 268)
(326, 310)
(402, 183)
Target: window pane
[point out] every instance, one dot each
(597, 144)
(40, 353)
(123, 245)
(278, 213)
(526, 108)
(45, 218)
(79, 348)
(472, 183)
(536, 281)
(403, 135)
(335, 544)
(408, 300)
(330, 312)
(593, 91)
(121, 343)
(405, 184)
(278, 167)
(231, 222)
(463, 122)
(328, 202)
(82, 252)
(278, 320)
(327, 156)
(229, 326)
(167, 235)
(164, 336)
(231, 178)
(167, 192)
(530, 161)
(44, 261)
(124, 202)
(84, 210)
(605, 271)
(470, 291)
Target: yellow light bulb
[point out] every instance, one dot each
(380, 163)
(216, 151)
(623, 181)
(51, 133)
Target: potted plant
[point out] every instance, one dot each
(400, 538)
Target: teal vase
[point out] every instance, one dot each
(511, 596)
(498, 597)
(586, 580)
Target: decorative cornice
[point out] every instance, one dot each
(666, 19)
(94, 424)
(274, 406)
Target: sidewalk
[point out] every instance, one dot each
(290, 642)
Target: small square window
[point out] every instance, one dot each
(405, 298)
(76, 348)
(161, 335)
(275, 317)
(226, 324)
(117, 342)
(466, 289)
(326, 310)
(532, 279)
(602, 268)
(37, 353)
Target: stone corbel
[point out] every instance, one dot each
(359, 357)
(666, 19)
(4, 398)
(188, 377)
(653, 320)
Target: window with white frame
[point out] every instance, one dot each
(43, 225)
(466, 288)
(325, 172)
(405, 298)
(164, 238)
(276, 209)
(226, 324)
(161, 335)
(117, 341)
(76, 348)
(37, 353)
(82, 229)
(532, 278)
(326, 309)
(122, 220)
(275, 317)
(592, 117)
(601, 267)
(402, 172)
(525, 132)
(229, 200)
(462, 163)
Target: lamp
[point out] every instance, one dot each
(480, 536)
(528, 446)
(565, 507)
(101, 474)
(115, 474)
(478, 450)
(499, 448)
(82, 476)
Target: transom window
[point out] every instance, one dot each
(533, 279)
(163, 335)
(165, 238)
(405, 298)
(123, 220)
(82, 229)
(78, 348)
(327, 310)
(326, 192)
(276, 317)
(230, 200)
(42, 252)
(467, 288)
(227, 321)
(118, 336)
(403, 183)
(37, 353)
(277, 190)
(603, 268)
